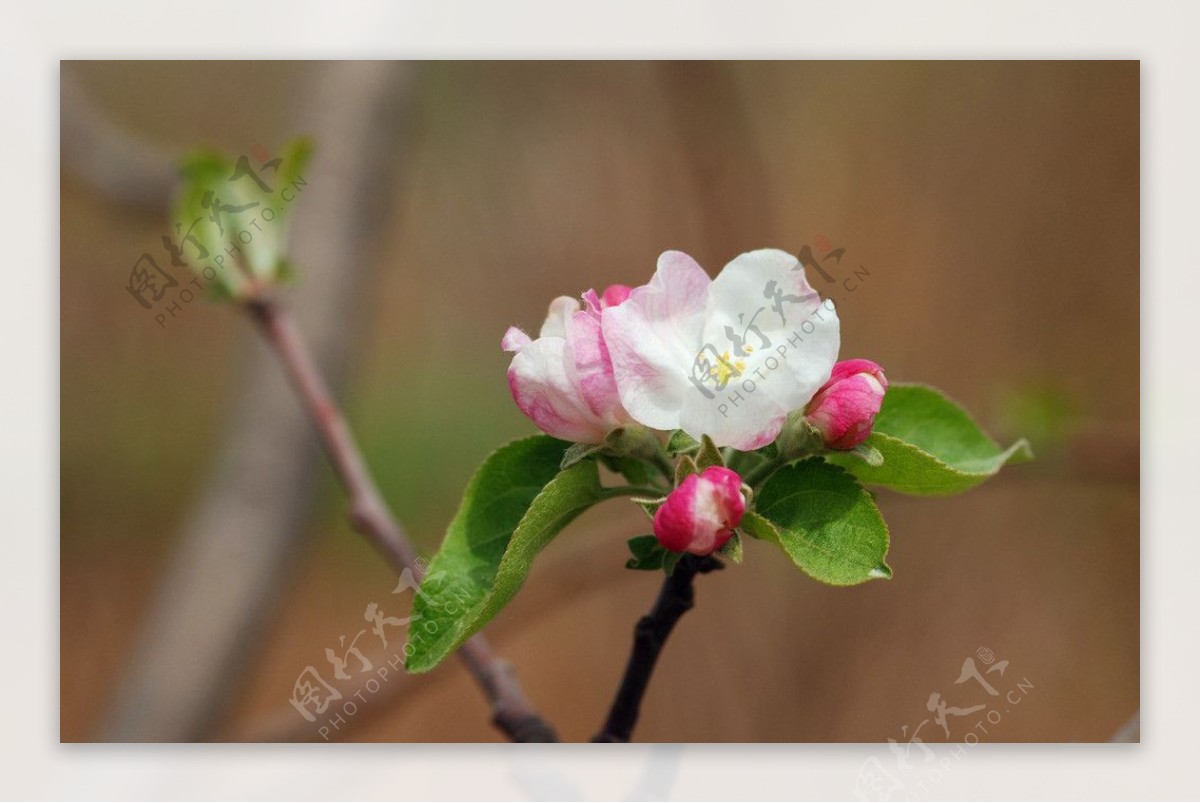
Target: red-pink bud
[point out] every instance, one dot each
(615, 294)
(844, 409)
(699, 515)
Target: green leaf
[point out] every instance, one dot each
(732, 549)
(199, 241)
(797, 438)
(514, 505)
(647, 553)
(868, 454)
(249, 235)
(823, 520)
(578, 452)
(669, 560)
(681, 443)
(709, 455)
(627, 450)
(631, 469)
(685, 468)
(929, 446)
(650, 506)
(745, 462)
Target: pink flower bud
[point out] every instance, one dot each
(699, 515)
(615, 294)
(844, 409)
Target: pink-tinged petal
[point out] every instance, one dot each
(674, 522)
(653, 336)
(844, 409)
(542, 387)
(700, 515)
(778, 341)
(615, 294)
(592, 302)
(561, 310)
(848, 368)
(591, 368)
(514, 339)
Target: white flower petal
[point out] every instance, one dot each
(775, 342)
(514, 339)
(561, 310)
(652, 339)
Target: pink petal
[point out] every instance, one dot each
(615, 294)
(544, 391)
(514, 339)
(592, 369)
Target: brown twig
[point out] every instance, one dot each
(219, 589)
(370, 516)
(676, 598)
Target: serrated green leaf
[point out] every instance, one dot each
(829, 526)
(514, 505)
(929, 446)
(578, 452)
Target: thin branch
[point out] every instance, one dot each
(124, 168)
(219, 589)
(370, 516)
(676, 598)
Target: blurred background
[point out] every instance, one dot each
(990, 211)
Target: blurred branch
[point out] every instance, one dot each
(511, 711)
(222, 583)
(241, 537)
(282, 725)
(676, 598)
(123, 168)
(710, 120)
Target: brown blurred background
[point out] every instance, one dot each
(994, 204)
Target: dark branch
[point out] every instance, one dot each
(649, 636)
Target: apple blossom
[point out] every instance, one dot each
(844, 410)
(728, 357)
(563, 381)
(699, 516)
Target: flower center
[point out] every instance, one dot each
(726, 368)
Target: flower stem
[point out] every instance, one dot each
(647, 491)
(666, 468)
(764, 470)
(676, 598)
